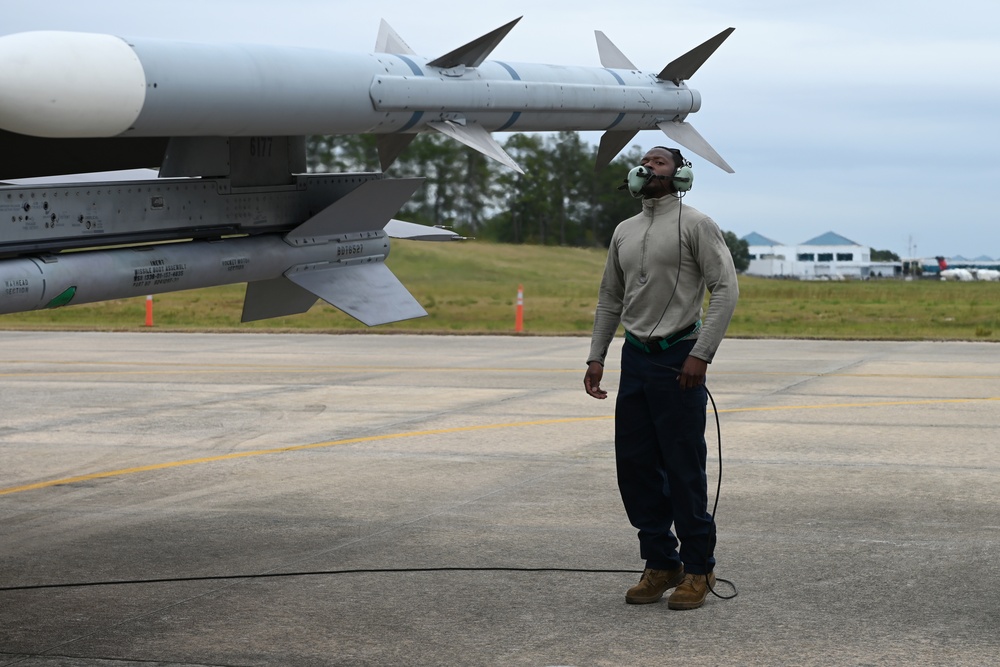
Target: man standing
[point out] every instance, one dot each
(659, 264)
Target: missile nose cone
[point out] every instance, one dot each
(67, 84)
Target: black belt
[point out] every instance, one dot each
(654, 346)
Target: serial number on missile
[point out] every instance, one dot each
(350, 249)
(158, 274)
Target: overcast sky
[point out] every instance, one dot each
(874, 119)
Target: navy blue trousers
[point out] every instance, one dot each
(660, 453)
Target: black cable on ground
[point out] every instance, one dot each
(275, 575)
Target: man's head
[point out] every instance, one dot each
(663, 162)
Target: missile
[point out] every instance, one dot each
(283, 280)
(337, 255)
(225, 126)
(85, 85)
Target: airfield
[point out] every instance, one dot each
(250, 499)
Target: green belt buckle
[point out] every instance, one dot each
(637, 343)
(664, 343)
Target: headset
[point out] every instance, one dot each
(682, 180)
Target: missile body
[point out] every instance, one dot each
(351, 273)
(92, 85)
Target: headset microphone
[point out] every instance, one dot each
(636, 180)
(639, 176)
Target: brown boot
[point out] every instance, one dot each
(691, 592)
(652, 584)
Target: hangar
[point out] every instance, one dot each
(828, 256)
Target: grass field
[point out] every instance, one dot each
(472, 287)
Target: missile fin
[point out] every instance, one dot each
(475, 136)
(389, 41)
(684, 67)
(612, 143)
(611, 56)
(400, 229)
(277, 297)
(685, 134)
(368, 207)
(370, 293)
(391, 146)
(475, 52)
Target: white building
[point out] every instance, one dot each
(829, 256)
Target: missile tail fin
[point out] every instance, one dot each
(475, 52)
(369, 206)
(475, 136)
(278, 297)
(612, 143)
(401, 229)
(389, 41)
(684, 67)
(611, 56)
(391, 146)
(688, 137)
(370, 293)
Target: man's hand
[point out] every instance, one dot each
(592, 380)
(692, 373)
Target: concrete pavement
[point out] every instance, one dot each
(190, 499)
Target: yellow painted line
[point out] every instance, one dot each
(169, 369)
(443, 431)
(281, 450)
(178, 369)
(906, 376)
(873, 404)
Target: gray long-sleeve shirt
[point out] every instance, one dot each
(641, 270)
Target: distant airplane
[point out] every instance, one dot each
(963, 274)
(225, 126)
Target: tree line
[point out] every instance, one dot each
(559, 200)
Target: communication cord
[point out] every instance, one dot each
(313, 573)
(718, 426)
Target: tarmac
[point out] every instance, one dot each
(249, 499)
